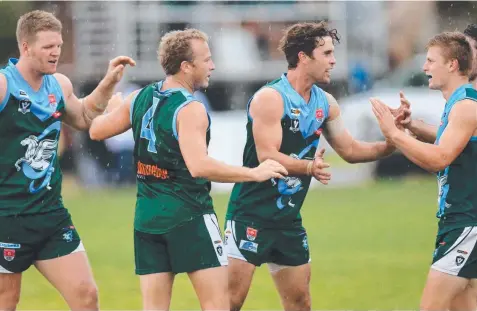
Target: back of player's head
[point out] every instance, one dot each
(304, 37)
(175, 47)
(33, 22)
(454, 45)
(471, 31)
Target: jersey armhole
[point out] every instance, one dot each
(5, 100)
(174, 119)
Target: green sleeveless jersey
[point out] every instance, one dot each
(167, 194)
(277, 203)
(30, 123)
(457, 199)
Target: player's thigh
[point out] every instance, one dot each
(196, 245)
(151, 255)
(72, 276)
(247, 242)
(466, 300)
(10, 285)
(440, 290)
(211, 287)
(156, 290)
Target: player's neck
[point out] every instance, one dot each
(453, 85)
(177, 82)
(31, 76)
(301, 83)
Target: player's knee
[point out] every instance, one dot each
(87, 293)
(9, 299)
(300, 301)
(237, 296)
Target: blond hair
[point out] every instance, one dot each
(33, 22)
(454, 45)
(175, 47)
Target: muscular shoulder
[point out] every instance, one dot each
(267, 101)
(334, 110)
(65, 84)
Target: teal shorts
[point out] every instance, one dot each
(25, 239)
(264, 245)
(193, 246)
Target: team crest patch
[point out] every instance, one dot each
(24, 106)
(52, 101)
(9, 254)
(251, 233)
(220, 250)
(319, 115)
(459, 260)
(295, 125)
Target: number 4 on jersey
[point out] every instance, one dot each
(147, 128)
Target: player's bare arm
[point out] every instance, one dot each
(192, 124)
(79, 113)
(433, 157)
(3, 87)
(266, 110)
(113, 122)
(348, 148)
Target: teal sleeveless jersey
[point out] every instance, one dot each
(277, 203)
(457, 198)
(167, 194)
(30, 123)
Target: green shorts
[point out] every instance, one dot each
(256, 245)
(193, 246)
(456, 253)
(25, 239)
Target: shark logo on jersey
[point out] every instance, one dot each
(37, 163)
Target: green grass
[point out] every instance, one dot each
(371, 247)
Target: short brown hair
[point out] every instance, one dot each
(175, 47)
(304, 37)
(31, 23)
(454, 46)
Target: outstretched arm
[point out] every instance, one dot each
(79, 113)
(462, 124)
(192, 124)
(115, 122)
(348, 148)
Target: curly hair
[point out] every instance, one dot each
(454, 46)
(305, 37)
(175, 47)
(471, 31)
(31, 23)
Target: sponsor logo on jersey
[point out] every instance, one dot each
(144, 170)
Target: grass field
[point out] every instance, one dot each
(371, 248)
